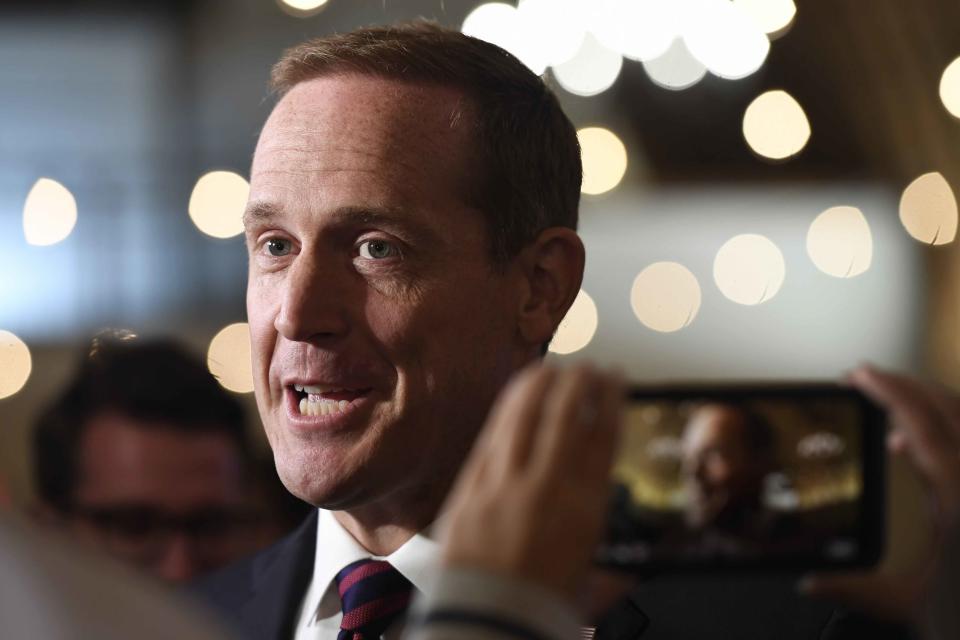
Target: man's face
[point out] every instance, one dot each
(168, 501)
(717, 469)
(380, 329)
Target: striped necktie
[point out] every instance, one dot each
(373, 594)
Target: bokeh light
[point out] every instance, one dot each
(724, 38)
(775, 125)
(637, 29)
(15, 364)
(592, 70)
(839, 242)
(928, 209)
(772, 16)
(505, 26)
(577, 327)
(302, 8)
(676, 69)
(217, 203)
(665, 296)
(749, 269)
(228, 358)
(604, 159)
(950, 88)
(49, 213)
(554, 27)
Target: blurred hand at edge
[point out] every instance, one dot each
(530, 501)
(925, 428)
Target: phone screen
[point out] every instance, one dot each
(747, 477)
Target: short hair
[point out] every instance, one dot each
(759, 434)
(153, 382)
(529, 171)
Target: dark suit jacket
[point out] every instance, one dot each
(260, 597)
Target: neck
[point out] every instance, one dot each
(384, 526)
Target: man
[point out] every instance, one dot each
(727, 453)
(144, 456)
(410, 229)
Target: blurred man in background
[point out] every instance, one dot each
(727, 453)
(144, 456)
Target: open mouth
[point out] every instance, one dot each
(322, 401)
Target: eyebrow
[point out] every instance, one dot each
(260, 211)
(393, 218)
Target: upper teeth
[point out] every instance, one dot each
(316, 389)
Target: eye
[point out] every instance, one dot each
(377, 250)
(278, 247)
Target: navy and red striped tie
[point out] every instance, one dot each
(373, 594)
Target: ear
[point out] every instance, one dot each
(553, 270)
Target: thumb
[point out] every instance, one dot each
(891, 597)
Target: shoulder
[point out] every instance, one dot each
(282, 565)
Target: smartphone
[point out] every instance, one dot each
(747, 476)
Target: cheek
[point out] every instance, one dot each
(260, 317)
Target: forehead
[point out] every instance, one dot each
(388, 139)
(713, 424)
(122, 459)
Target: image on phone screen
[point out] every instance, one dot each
(741, 480)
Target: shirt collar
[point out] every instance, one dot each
(416, 560)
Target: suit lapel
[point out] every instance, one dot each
(279, 582)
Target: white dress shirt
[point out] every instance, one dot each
(320, 615)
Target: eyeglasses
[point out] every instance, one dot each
(142, 533)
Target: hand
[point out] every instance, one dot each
(925, 425)
(531, 499)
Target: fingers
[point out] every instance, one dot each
(514, 420)
(579, 424)
(925, 425)
(605, 437)
(923, 429)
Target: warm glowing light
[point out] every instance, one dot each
(302, 8)
(592, 70)
(928, 209)
(724, 38)
(676, 69)
(637, 29)
(554, 28)
(15, 364)
(839, 242)
(217, 203)
(577, 327)
(604, 159)
(665, 296)
(772, 16)
(505, 26)
(775, 125)
(950, 88)
(749, 269)
(228, 358)
(49, 214)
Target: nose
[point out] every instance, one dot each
(313, 301)
(178, 563)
